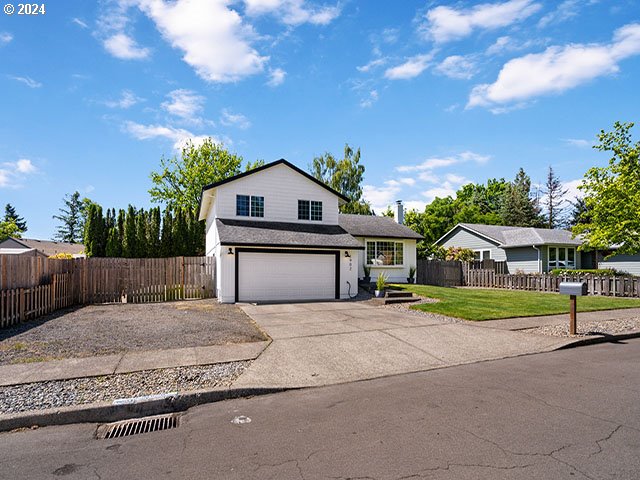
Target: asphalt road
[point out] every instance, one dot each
(570, 414)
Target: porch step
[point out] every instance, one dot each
(398, 294)
(392, 300)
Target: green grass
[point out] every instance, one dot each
(485, 304)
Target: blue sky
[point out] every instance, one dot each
(435, 94)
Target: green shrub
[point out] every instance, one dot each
(586, 271)
(381, 281)
(412, 271)
(367, 270)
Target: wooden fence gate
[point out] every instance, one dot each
(442, 273)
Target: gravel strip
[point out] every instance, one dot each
(41, 395)
(590, 329)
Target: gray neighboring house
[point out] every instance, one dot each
(525, 249)
(46, 248)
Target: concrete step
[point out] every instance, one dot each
(398, 294)
(389, 301)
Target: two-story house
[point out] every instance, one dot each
(277, 235)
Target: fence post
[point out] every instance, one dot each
(21, 309)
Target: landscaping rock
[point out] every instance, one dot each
(589, 329)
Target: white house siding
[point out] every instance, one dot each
(211, 238)
(623, 263)
(522, 259)
(396, 274)
(226, 278)
(464, 239)
(281, 188)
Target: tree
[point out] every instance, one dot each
(130, 244)
(179, 182)
(9, 229)
(344, 176)
(95, 240)
(612, 195)
(579, 214)
(72, 221)
(518, 208)
(10, 215)
(388, 212)
(553, 199)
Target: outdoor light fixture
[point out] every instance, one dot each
(346, 254)
(230, 252)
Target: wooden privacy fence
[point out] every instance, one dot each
(439, 272)
(596, 285)
(32, 287)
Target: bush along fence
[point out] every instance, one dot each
(32, 287)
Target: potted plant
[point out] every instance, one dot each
(381, 281)
(412, 274)
(367, 274)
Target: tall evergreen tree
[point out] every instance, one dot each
(518, 208)
(180, 233)
(10, 215)
(71, 218)
(130, 245)
(95, 232)
(553, 200)
(141, 234)
(166, 236)
(153, 232)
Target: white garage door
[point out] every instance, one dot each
(285, 276)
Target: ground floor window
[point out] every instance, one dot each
(482, 254)
(562, 257)
(385, 253)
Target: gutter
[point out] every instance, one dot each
(539, 259)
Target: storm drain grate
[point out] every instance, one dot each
(137, 426)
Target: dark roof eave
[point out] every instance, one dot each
(290, 245)
(399, 237)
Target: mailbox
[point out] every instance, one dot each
(573, 288)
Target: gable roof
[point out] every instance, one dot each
(47, 247)
(374, 226)
(509, 237)
(283, 234)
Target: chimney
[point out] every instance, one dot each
(398, 212)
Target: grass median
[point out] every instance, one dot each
(491, 304)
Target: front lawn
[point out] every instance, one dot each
(486, 304)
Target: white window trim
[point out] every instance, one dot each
(481, 251)
(250, 205)
(557, 260)
(394, 241)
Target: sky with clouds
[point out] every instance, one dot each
(436, 94)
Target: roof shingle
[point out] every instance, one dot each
(375, 226)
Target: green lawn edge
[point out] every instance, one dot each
(479, 304)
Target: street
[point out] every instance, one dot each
(567, 414)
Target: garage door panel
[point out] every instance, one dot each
(285, 276)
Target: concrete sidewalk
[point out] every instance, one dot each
(333, 342)
(127, 362)
(522, 323)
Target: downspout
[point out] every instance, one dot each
(539, 259)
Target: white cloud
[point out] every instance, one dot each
(89, 188)
(178, 136)
(185, 104)
(418, 205)
(375, 63)
(381, 197)
(127, 99)
(293, 12)
(578, 142)
(413, 67)
(446, 190)
(572, 189)
(5, 37)
(370, 100)
(28, 81)
(79, 22)
(563, 12)
(445, 23)
(556, 69)
(507, 44)
(432, 163)
(12, 173)
(124, 47)
(276, 77)
(234, 120)
(457, 66)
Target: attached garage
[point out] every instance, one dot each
(285, 275)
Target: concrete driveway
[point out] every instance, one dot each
(333, 342)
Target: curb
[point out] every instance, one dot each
(106, 412)
(605, 338)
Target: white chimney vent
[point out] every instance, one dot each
(398, 212)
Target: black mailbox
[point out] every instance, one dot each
(573, 288)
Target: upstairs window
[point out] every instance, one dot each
(249, 206)
(309, 210)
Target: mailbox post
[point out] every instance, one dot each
(574, 290)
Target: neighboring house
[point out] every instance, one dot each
(276, 234)
(621, 263)
(525, 249)
(43, 247)
(23, 252)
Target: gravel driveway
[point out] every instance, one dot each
(106, 329)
